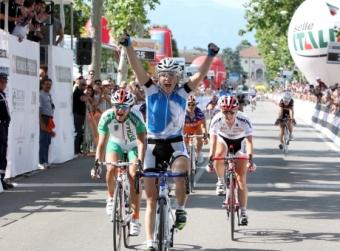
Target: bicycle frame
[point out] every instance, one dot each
(193, 160)
(285, 135)
(165, 219)
(231, 202)
(121, 214)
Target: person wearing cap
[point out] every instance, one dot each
(5, 119)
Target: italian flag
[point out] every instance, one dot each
(332, 9)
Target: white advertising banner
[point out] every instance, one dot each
(60, 71)
(23, 100)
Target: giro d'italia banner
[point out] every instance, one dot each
(60, 64)
(23, 100)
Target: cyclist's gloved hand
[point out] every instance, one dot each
(139, 165)
(125, 40)
(205, 138)
(213, 49)
(96, 170)
(277, 122)
(251, 166)
(210, 166)
(294, 122)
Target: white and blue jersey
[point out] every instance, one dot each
(165, 114)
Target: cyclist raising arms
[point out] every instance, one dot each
(230, 128)
(165, 115)
(121, 130)
(195, 125)
(286, 110)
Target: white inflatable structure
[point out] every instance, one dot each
(312, 29)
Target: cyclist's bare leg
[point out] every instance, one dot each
(135, 198)
(221, 151)
(241, 176)
(290, 126)
(151, 201)
(180, 165)
(111, 173)
(199, 144)
(281, 134)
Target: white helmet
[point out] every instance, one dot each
(168, 64)
(122, 97)
(287, 97)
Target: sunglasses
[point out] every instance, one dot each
(229, 112)
(167, 74)
(191, 104)
(121, 107)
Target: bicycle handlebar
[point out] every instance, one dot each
(163, 174)
(118, 163)
(230, 158)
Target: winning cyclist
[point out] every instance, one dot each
(165, 115)
(230, 128)
(121, 131)
(195, 125)
(286, 110)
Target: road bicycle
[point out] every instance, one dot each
(193, 160)
(231, 202)
(121, 212)
(165, 218)
(286, 139)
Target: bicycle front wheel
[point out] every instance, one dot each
(192, 170)
(117, 217)
(161, 226)
(232, 206)
(126, 224)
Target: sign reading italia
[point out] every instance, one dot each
(313, 29)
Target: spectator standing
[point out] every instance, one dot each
(58, 31)
(79, 112)
(46, 110)
(13, 14)
(4, 123)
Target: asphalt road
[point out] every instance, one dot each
(294, 202)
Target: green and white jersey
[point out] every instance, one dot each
(124, 134)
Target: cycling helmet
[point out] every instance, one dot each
(168, 64)
(287, 97)
(228, 103)
(122, 97)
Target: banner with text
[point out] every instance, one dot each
(23, 101)
(60, 71)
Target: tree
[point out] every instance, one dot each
(174, 48)
(96, 14)
(127, 16)
(271, 20)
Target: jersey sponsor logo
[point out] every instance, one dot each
(129, 132)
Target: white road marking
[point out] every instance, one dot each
(198, 185)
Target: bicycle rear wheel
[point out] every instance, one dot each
(161, 245)
(232, 206)
(117, 217)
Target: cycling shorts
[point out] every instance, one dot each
(158, 151)
(196, 131)
(239, 145)
(113, 147)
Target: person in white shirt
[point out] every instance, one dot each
(231, 130)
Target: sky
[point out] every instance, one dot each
(195, 23)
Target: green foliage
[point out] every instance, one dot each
(127, 15)
(271, 20)
(174, 48)
(231, 58)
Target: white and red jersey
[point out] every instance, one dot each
(241, 128)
